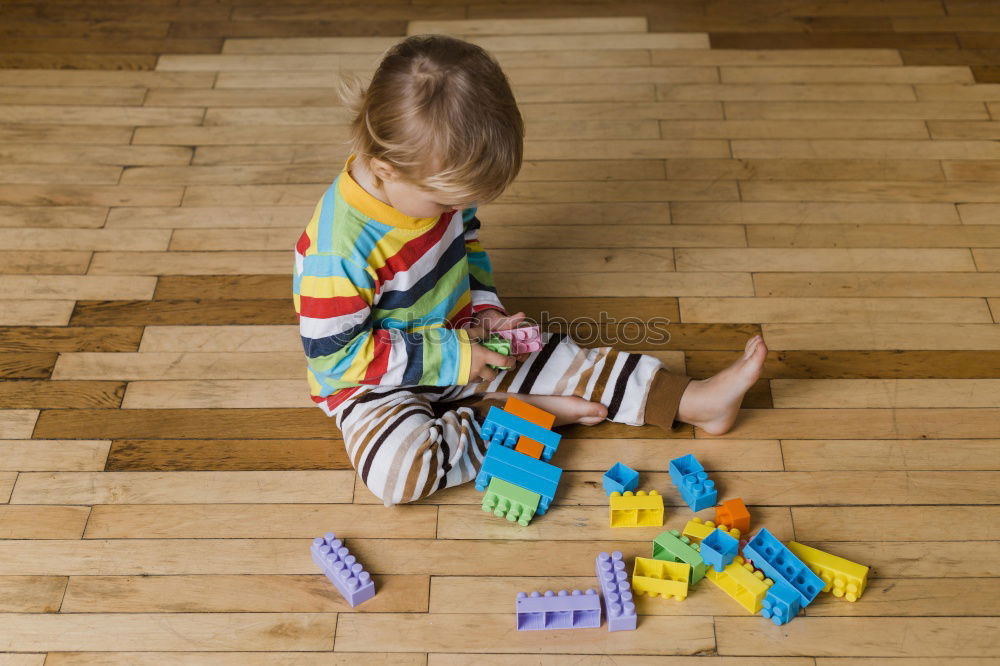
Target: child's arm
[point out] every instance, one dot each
(333, 298)
(484, 291)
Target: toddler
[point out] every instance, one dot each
(394, 291)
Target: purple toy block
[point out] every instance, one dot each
(617, 591)
(343, 569)
(523, 340)
(719, 549)
(576, 610)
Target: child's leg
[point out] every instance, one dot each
(401, 449)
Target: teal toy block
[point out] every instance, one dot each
(502, 427)
(670, 546)
(522, 471)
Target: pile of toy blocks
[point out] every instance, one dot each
(517, 478)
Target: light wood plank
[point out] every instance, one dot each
(22, 659)
(66, 95)
(964, 130)
(188, 263)
(562, 76)
(220, 338)
(821, 259)
(874, 191)
(889, 523)
(30, 455)
(17, 424)
(210, 217)
(167, 366)
(171, 632)
(58, 287)
(44, 262)
(855, 110)
(778, 92)
(883, 393)
(792, 129)
(641, 454)
(42, 522)
(465, 632)
(836, 148)
(881, 336)
(236, 594)
(764, 57)
(979, 213)
(17, 133)
(867, 74)
(31, 594)
(941, 637)
(874, 423)
(833, 310)
(874, 454)
(103, 78)
(268, 658)
(875, 235)
(522, 283)
(800, 213)
(182, 487)
(625, 149)
(7, 480)
(529, 26)
(677, 190)
(54, 153)
(84, 239)
(92, 195)
(987, 260)
(986, 92)
(216, 394)
(92, 115)
(82, 175)
(36, 313)
(877, 284)
(261, 521)
(45, 217)
(803, 169)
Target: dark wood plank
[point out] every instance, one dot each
(41, 394)
(860, 364)
(950, 56)
(987, 73)
(151, 455)
(84, 29)
(290, 28)
(62, 339)
(187, 312)
(27, 365)
(233, 287)
(109, 45)
(133, 62)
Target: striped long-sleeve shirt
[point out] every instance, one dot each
(381, 296)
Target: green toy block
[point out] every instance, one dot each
(672, 547)
(499, 345)
(510, 501)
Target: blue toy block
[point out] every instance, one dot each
(501, 427)
(620, 478)
(719, 549)
(681, 467)
(780, 564)
(617, 591)
(781, 604)
(521, 470)
(579, 610)
(344, 571)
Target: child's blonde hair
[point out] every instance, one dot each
(441, 112)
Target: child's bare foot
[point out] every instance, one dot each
(567, 408)
(713, 404)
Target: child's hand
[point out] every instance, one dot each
(494, 320)
(482, 358)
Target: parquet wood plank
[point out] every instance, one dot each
(881, 336)
(182, 487)
(110, 45)
(857, 110)
(207, 393)
(93, 195)
(456, 659)
(764, 57)
(841, 74)
(803, 169)
(984, 92)
(7, 480)
(815, 259)
(832, 40)
(71, 95)
(873, 236)
(42, 394)
(59, 287)
(27, 455)
(188, 263)
(288, 28)
(793, 129)
(249, 521)
(979, 213)
(778, 92)
(76, 60)
(22, 659)
(874, 454)
(35, 313)
(833, 148)
(618, 284)
(208, 217)
(41, 217)
(113, 155)
(987, 260)
(862, 364)
(177, 312)
(86, 29)
(27, 365)
(61, 632)
(876, 285)
(161, 455)
(236, 594)
(885, 393)
(31, 594)
(42, 522)
(90, 115)
(872, 191)
(833, 310)
(220, 338)
(85, 240)
(234, 658)
(56, 339)
(81, 134)
(31, 174)
(802, 213)
(626, 24)
(964, 130)
(57, 262)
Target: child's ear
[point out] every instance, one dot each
(382, 169)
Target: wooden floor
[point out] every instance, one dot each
(162, 471)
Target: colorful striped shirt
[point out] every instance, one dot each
(382, 298)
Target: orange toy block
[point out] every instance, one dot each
(733, 513)
(529, 447)
(528, 412)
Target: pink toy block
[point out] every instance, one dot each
(523, 340)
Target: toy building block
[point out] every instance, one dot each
(499, 345)
(522, 471)
(617, 592)
(670, 546)
(719, 549)
(579, 610)
(774, 559)
(505, 499)
(620, 478)
(781, 604)
(529, 412)
(503, 428)
(697, 529)
(343, 569)
(844, 578)
(529, 447)
(656, 577)
(746, 586)
(697, 490)
(523, 340)
(733, 513)
(636, 510)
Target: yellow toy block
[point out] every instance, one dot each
(697, 529)
(656, 577)
(739, 580)
(636, 510)
(844, 578)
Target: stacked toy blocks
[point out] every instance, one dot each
(840, 576)
(620, 478)
(774, 559)
(739, 580)
(636, 510)
(672, 547)
(660, 578)
(344, 571)
(515, 476)
(697, 529)
(697, 490)
(576, 610)
(617, 592)
(733, 513)
(718, 549)
(523, 340)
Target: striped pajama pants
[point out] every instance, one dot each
(406, 442)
